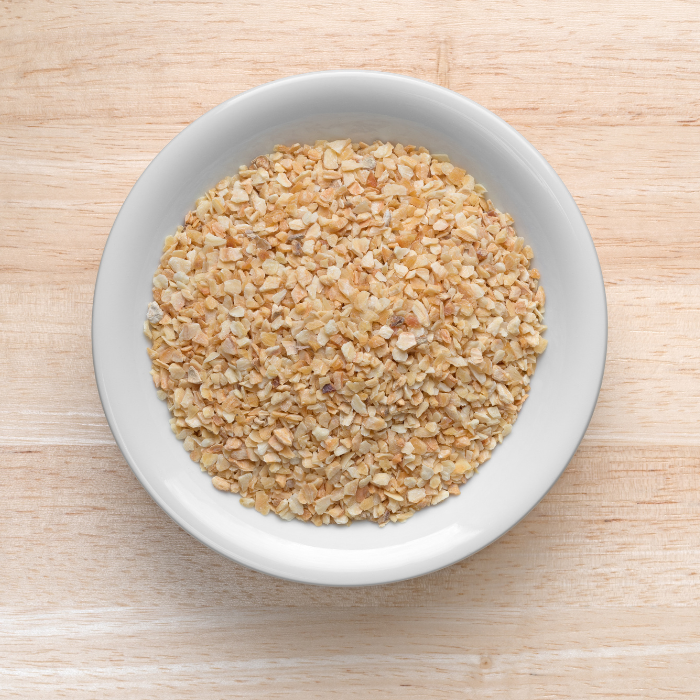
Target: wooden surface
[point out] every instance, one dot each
(594, 595)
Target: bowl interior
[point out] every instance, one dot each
(363, 106)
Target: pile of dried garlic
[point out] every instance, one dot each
(344, 331)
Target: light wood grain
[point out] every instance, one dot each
(595, 594)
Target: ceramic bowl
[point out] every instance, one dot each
(363, 106)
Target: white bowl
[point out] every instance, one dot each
(364, 106)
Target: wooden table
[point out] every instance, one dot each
(594, 595)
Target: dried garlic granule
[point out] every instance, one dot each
(344, 331)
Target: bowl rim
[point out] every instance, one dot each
(563, 196)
